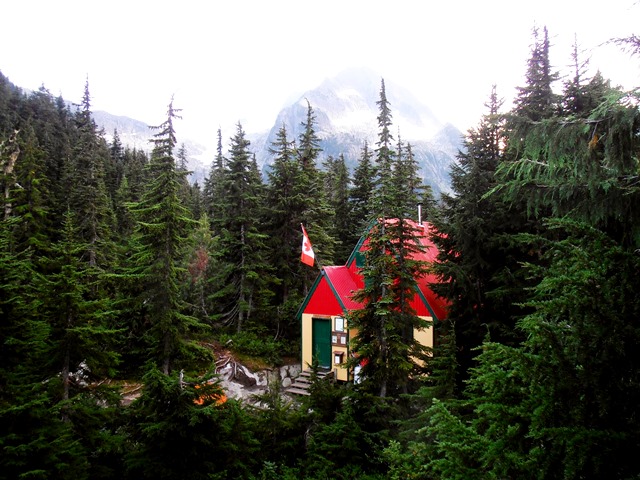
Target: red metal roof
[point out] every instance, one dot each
(344, 283)
(332, 294)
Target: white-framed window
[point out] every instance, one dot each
(339, 324)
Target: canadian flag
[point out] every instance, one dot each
(307, 257)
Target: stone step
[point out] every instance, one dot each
(308, 373)
(302, 382)
(297, 391)
(301, 385)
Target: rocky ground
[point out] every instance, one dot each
(239, 381)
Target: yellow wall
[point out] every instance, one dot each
(425, 337)
(307, 345)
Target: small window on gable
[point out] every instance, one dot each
(339, 324)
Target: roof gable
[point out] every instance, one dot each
(332, 292)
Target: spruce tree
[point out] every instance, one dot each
(213, 190)
(337, 184)
(473, 250)
(80, 334)
(242, 285)
(361, 195)
(161, 232)
(387, 320)
(88, 197)
(558, 405)
(536, 99)
(181, 430)
(285, 202)
(317, 214)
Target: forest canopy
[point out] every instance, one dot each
(114, 268)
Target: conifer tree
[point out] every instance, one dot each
(161, 232)
(286, 203)
(337, 183)
(130, 189)
(408, 183)
(242, 285)
(30, 196)
(385, 157)
(202, 244)
(387, 320)
(470, 236)
(213, 190)
(361, 195)
(536, 99)
(553, 405)
(582, 165)
(182, 430)
(317, 215)
(79, 323)
(114, 170)
(88, 197)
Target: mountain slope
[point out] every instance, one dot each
(346, 115)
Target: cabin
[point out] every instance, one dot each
(325, 332)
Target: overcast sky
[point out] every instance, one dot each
(233, 60)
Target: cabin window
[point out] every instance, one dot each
(339, 324)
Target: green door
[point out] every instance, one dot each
(322, 341)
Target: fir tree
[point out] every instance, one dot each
(286, 203)
(387, 320)
(161, 232)
(473, 251)
(88, 197)
(536, 99)
(317, 214)
(337, 183)
(361, 195)
(242, 285)
(213, 191)
(181, 430)
(79, 323)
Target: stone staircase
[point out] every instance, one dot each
(301, 384)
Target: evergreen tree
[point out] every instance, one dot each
(201, 245)
(553, 407)
(243, 284)
(88, 197)
(286, 204)
(180, 430)
(130, 190)
(161, 232)
(384, 197)
(317, 214)
(29, 198)
(337, 184)
(213, 191)
(79, 331)
(561, 405)
(473, 250)
(408, 183)
(536, 99)
(387, 320)
(361, 194)
(582, 166)
(114, 169)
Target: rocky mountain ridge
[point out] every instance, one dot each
(346, 110)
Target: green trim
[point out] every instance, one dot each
(424, 300)
(360, 242)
